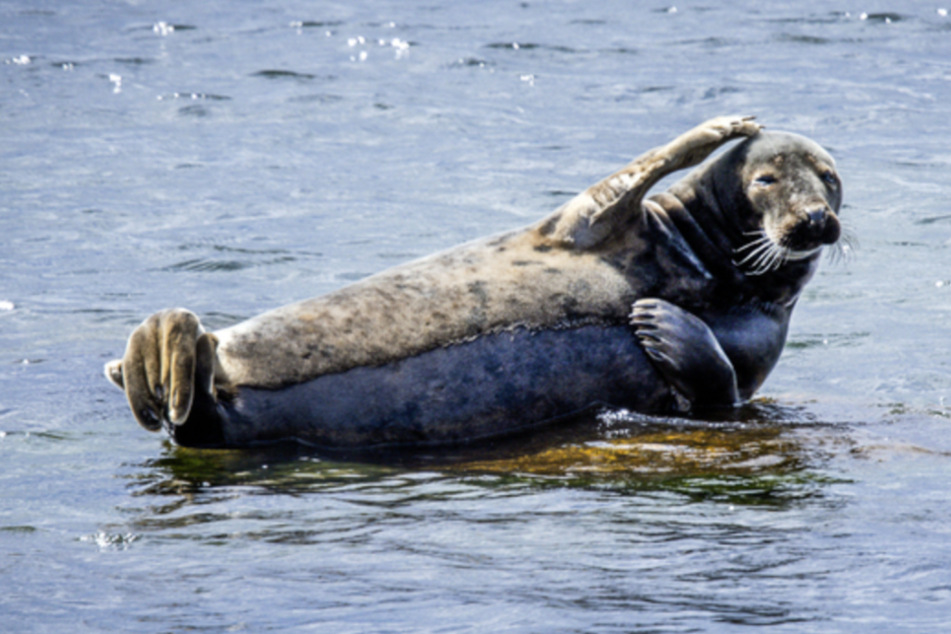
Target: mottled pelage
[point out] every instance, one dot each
(675, 303)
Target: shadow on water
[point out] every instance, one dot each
(762, 453)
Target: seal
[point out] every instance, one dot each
(675, 303)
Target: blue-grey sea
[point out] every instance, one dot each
(231, 157)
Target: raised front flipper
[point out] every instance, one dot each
(167, 371)
(686, 353)
(595, 213)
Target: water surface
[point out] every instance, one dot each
(232, 157)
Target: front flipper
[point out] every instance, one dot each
(594, 214)
(686, 352)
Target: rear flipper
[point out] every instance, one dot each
(686, 353)
(168, 371)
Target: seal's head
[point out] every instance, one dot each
(785, 193)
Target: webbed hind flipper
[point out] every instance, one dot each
(168, 366)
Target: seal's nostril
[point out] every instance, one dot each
(816, 217)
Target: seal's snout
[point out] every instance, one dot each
(825, 224)
(817, 226)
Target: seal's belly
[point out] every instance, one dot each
(492, 385)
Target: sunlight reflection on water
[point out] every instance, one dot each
(233, 159)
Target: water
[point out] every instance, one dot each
(232, 157)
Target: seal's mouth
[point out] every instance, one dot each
(798, 236)
(763, 253)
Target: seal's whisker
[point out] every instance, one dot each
(757, 267)
(759, 233)
(746, 263)
(764, 264)
(760, 250)
(764, 239)
(755, 232)
(782, 257)
(752, 260)
(754, 255)
(844, 248)
(769, 260)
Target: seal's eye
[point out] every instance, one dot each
(828, 177)
(765, 179)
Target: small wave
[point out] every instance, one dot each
(715, 93)
(314, 24)
(321, 98)
(194, 96)
(282, 74)
(803, 39)
(208, 265)
(194, 111)
(110, 541)
(806, 341)
(528, 46)
(882, 18)
(134, 61)
(515, 46)
(930, 220)
(470, 62)
(165, 29)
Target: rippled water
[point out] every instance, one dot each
(231, 157)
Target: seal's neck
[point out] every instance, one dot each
(704, 223)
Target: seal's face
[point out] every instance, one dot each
(792, 193)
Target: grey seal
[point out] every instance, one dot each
(675, 303)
